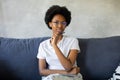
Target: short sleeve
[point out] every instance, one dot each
(75, 44)
(41, 52)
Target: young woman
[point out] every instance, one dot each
(57, 55)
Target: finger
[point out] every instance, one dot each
(55, 34)
(78, 69)
(51, 39)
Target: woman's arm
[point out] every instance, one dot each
(44, 71)
(67, 62)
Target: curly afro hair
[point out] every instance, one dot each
(55, 9)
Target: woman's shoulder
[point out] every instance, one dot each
(45, 42)
(70, 38)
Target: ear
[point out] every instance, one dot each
(50, 24)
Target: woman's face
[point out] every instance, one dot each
(58, 24)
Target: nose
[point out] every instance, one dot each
(60, 25)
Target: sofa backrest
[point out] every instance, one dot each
(99, 57)
(18, 59)
(97, 60)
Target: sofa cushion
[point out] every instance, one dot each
(18, 59)
(99, 57)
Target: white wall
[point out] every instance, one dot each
(90, 18)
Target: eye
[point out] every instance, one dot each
(56, 23)
(64, 23)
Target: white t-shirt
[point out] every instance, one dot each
(47, 52)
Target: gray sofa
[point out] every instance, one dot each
(97, 60)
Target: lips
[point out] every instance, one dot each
(60, 31)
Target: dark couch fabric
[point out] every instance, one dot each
(18, 59)
(98, 58)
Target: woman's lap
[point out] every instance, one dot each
(63, 77)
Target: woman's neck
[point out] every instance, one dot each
(59, 38)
